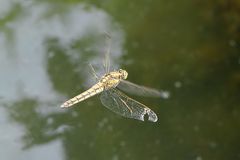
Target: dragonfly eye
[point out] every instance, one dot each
(124, 74)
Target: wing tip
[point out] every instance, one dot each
(164, 94)
(155, 119)
(152, 116)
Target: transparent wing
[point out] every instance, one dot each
(138, 90)
(107, 53)
(125, 106)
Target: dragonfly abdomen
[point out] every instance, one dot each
(97, 88)
(108, 81)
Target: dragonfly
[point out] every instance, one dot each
(109, 86)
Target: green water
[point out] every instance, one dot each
(188, 48)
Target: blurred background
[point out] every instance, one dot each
(188, 48)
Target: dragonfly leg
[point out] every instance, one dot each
(93, 71)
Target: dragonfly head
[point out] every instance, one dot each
(123, 73)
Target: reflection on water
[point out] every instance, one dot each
(190, 48)
(25, 70)
(41, 58)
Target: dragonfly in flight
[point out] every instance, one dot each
(111, 97)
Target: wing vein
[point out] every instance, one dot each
(125, 106)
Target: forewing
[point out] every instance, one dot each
(138, 90)
(125, 106)
(107, 53)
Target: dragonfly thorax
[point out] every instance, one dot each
(112, 79)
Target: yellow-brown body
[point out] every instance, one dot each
(107, 81)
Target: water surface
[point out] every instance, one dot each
(190, 49)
